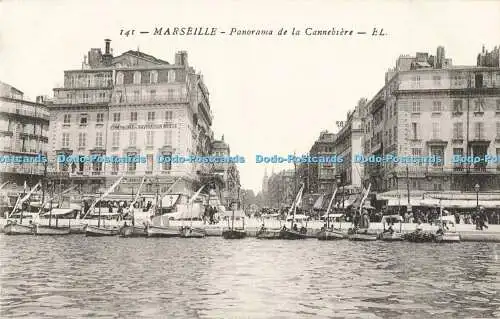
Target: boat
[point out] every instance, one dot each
(294, 233)
(265, 233)
(159, 231)
(13, 228)
(328, 232)
(445, 233)
(77, 229)
(190, 231)
(362, 233)
(132, 231)
(50, 230)
(419, 236)
(390, 234)
(232, 232)
(100, 231)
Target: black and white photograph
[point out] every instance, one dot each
(249, 159)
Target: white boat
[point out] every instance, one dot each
(51, 230)
(132, 231)
(447, 231)
(17, 229)
(360, 236)
(390, 234)
(190, 232)
(97, 231)
(328, 232)
(159, 231)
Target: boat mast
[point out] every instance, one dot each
(328, 209)
(50, 207)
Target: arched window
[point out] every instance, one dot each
(153, 76)
(137, 77)
(119, 78)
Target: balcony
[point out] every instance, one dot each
(24, 108)
(148, 99)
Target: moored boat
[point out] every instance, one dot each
(190, 232)
(234, 234)
(390, 234)
(328, 234)
(291, 234)
(360, 236)
(447, 231)
(132, 231)
(50, 230)
(158, 231)
(268, 234)
(17, 229)
(77, 229)
(96, 231)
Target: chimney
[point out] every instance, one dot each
(181, 58)
(107, 49)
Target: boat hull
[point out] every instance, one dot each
(77, 229)
(268, 234)
(51, 231)
(234, 234)
(362, 237)
(292, 235)
(132, 231)
(448, 238)
(189, 232)
(330, 235)
(92, 231)
(391, 237)
(156, 231)
(16, 229)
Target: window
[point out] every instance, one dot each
(116, 117)
(85, 97)
(437, 80)
(67, 118)
(436, 133)
(132, 165)
(132, 138)
(149, 138)
(98, 139)
(115, 167)
(153, 94)
(83, 119)
(437, 151)
(116, 139)
(498, 106)
(395, 134)
(416, 107)
(417, 152)
(436, 106)
(151, 116)
(498, 131)
(82, 139)
(458, 131)
(478, 80)
(171, 76)
(170, 94)
(168, 115)
(415, 129)
(166, 165)
(149, 162)
(457, 153)
(100, 117)
(479, 106)
(119, 78)
(65, 140)
(168, 137)
(133, 116)
(136, 95)
(137, 77)
(416, 81)
(153, 76)
(479, 130)
(457, 106)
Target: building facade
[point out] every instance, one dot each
(428, 107)
(229, 178)
(24, 130)
(282, 189)
(128, 106)
(321, 176)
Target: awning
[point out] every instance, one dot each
(298, 217)
(60, 211)
(404, 202)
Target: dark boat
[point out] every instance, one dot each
(234, 234)
(158, 231)
(268, 234)
(93, 231)
(132, 231)
(292, 234)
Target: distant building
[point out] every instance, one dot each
(24, 129)
(281, 189)
(228, 172)
(321, 176)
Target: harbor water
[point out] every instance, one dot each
(77, 276)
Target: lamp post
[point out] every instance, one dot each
(476, 188)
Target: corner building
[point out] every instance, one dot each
(131, 105)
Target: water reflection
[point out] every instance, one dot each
(79, 276)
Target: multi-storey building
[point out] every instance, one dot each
(128, 106)
(229, 177)
(321, 176)
(282, 189)
(428, 107)
(24, 127)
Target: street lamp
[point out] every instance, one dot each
(476, 188)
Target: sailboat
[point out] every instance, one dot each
(357, 234)
(293, 233)
(445, 234)
(98, 231)
(133, 230)
(161, 230)
(189, 231)
(51, 230)
(12, 227)
(327, 233)
(234, 233)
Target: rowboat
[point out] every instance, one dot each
(448, 237)
(77, 229)
(268, 234)
(362, 236)
(396, 236)
(93, 231)
(291, 234)
(18, 229)
(50, 230)
(189, 232)
(158, 231)
(390, 234)
(327, 234)
(132, 231)
(445, 234)
(234, 234)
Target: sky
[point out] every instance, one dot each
(269, 94)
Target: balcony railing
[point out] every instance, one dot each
(149, 99)
(24, 109)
